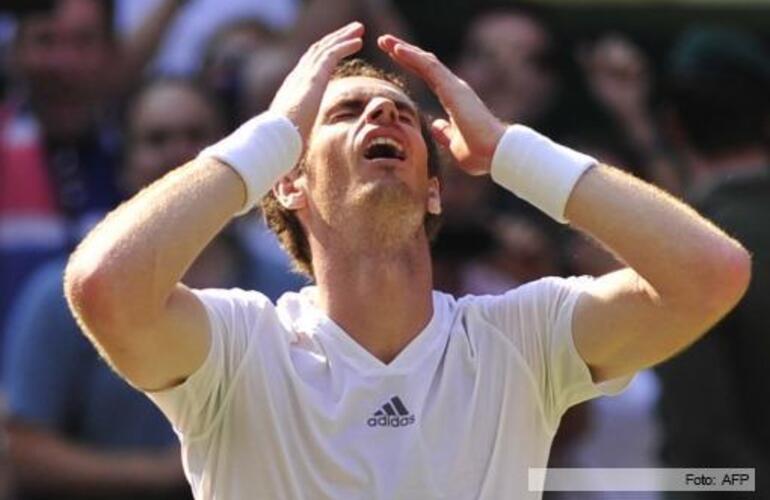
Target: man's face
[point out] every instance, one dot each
(505, 58)
(169, 124)
(367, 160)
(62, 54)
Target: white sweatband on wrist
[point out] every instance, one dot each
(537, 169)
(261, 151)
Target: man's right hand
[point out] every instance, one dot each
(301, 92)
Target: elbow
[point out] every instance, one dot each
(728, 280)
(743, 273)
(88, 290)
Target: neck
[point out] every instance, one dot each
(381, 298)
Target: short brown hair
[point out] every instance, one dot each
(285, 223)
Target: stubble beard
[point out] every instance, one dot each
(383, 216)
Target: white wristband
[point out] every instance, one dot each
(537, 169)
(261, 151)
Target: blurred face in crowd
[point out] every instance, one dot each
(62, 56)
(227, 52)
(505, 58)
(169, 124)
(366, 162)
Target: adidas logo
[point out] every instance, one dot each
(392, 414)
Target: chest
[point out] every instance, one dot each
(459, 420)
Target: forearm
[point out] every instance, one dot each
(674, 249)
(139, 253)
(45, 463)
(684, 274)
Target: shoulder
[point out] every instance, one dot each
(238, 297)
(551, 288)
(249, 311)
(533, 310)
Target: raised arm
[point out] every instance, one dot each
(140, 46)
(683, 273)
(122, 283)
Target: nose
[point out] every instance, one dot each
(381, 111)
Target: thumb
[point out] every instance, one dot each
(440, 129)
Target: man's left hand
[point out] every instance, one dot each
(472, 132)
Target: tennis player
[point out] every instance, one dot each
(370, 384)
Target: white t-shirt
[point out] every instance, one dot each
(288, 406)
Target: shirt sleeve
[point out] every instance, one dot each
(194, 405)
(46, 359)
(537, 319)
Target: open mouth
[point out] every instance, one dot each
(384, 148)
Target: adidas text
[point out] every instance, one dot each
(390, 421)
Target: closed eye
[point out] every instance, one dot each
(406, 114)
(342, 116)
(345, 110)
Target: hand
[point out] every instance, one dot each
(301, 92)
(472, 133)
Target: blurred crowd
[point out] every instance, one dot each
(100, 98)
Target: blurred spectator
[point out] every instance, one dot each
(169, 122)
(614, 432)
(77, 430)
(456, 247)
(524, 251)
(619, 77)
(183, 47)
(58, 142)
(57, 153)
(234, 48)
(716, 395)
(508, 58)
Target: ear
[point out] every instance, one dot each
(434, 196)
(290, 191)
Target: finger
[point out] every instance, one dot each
(350, 30)
(343, 49)
(440, 130)
(387, 42)
(426, 65)
(405, 63)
